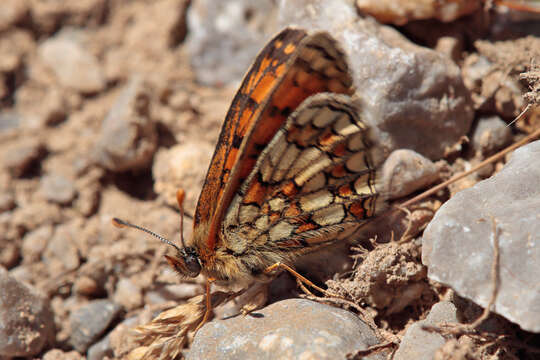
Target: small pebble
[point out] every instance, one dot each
(23, 156)
(128, 294)
(89, 322)
(58, 189)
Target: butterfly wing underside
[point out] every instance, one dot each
(292, 67)
(313, 184)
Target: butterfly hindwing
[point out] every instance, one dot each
(312, 184)
(292, 67)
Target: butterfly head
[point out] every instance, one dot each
(186, 262)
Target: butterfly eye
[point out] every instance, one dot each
(192, 264)
(185, 264)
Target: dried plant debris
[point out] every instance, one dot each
(167, 334)
(532, 77)
(389, 278)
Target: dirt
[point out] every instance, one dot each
(63, 243)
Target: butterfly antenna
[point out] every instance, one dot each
(180, 195)
(122, 224)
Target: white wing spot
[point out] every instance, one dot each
(316, 200)
(281, 230)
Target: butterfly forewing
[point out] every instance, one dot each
(292, 67)
(313, 184)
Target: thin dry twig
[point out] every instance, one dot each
(360, 354)
(405, 236)
(489, 160)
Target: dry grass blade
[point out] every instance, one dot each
(167, 334)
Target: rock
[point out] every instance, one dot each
(35, 214)
(15, 45)
(26, 319)
(128, 294)
(128, 137)
(412, 97)
(406, 171)
(56, 354)
(180, 167)
(120, 338)
(100, 350)
(450, 46)
(13, 11)
(7, 202)
(74, 67)
(400, 13)
(47, 17)
(35, 242)
(57, 188)
(225, 36)
(291, 329)
(9, 255)
(61, 253)
(86, 286)
(23, 156)
(420, 344)
(457, 245)
(89, 322)
(9, 120)
(491, 134)
(51, 109)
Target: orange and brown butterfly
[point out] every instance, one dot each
(292, 171)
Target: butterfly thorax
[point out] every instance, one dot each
(239, 262)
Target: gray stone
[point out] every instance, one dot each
(128, 136)
(26, 320)
(74, 67)
(458, 244)
(420, 344)
(100, 349)
(89, 322)
(291, 329)
(9, 120)
(406, 171)
(57, 188)
(491, 134)
(413, 97)
(225, 36)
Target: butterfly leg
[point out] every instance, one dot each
(299, 278)
(208, 311)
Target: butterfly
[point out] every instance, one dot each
(292, 171)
